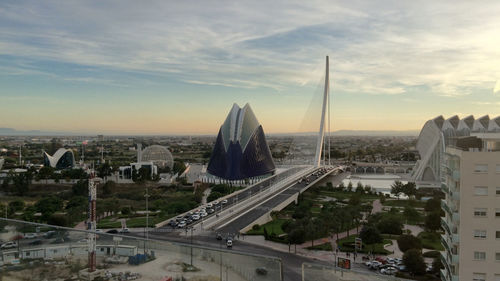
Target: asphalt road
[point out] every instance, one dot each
(246, 219)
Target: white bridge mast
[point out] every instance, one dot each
(319, 146)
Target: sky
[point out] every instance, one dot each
(176, 67)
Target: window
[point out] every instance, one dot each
(497, 235)
(497, 213)
(498, 190)
(480, 190)
(479, 233)
(497, 256)
(481, 256)
(480, 212)
(498, 168)
(478, 276)
(481, 168)
(497, 277)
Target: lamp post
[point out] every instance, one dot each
(147, 219)
(191, 246)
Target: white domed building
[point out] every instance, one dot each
(159, 155)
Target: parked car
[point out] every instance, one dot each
(209, 205)
(112, 231)
(182, 224)
(196, 217)
(389, 270)
(223, 202)
(8, 245)
(124, 230)
(36, 242)
(229, 243)
(218, 236)
(375, 264)
(172, 223)
(203, 214)
(30, 235)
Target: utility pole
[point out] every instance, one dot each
(91, 238)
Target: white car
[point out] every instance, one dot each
(124, 230)
(375, 264)
(209, 205)
(182, 224)
(195, 217)
(389, 270)
(8, 245)
(30, 235)
(216, 202)
(223, 202)
(204, 214)
(229, 243)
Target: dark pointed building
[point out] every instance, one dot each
(241, 150)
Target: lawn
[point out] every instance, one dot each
(430, 241)
(273, 226)
(347, 245)
(322, 247)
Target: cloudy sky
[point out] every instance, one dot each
(167, 67)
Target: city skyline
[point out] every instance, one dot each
(177, 69)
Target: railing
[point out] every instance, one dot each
(314, 272)
(65, 252)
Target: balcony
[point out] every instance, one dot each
(455, 238)
(445, 207)
(444, 224)
(456, 175)
(445, 243)
(444, 188)
(455, 195)
(455, 217)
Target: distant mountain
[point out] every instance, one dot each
(14, 132)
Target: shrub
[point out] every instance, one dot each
(408, 242)
(256, 226)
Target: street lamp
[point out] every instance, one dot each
(191, 246)
(147, 218)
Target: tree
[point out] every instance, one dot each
(49, 205)
(414, 261)
(179, 167)
(433, 221)
(409, 189)
(349, 186)
(359, 187)
(370, 235)
(390, 225)
(341, 186)
(297, 236)
(397, 188)
(411, 214)
(433, 205)
(16, 206)
(59, 220)
(107, 188)
(408, 241)
(104, 170)
(46, 172)
(80, 188)
(21, 183)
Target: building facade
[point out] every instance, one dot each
(241, 149)
(62, 159)
(470, 179)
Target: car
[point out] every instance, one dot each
(49, 234)
(124, 230)
(36, 242)
(368, 263)
(189, 221)
(389, 270)
(181, 224)
(30, 235)
(172, 223)
(210, 211)
(216, 202)
(196, 217)
(209, 205)
(99, 231)
(223, 202)
(218, 236)
(112, 231)
(402, 268)
(8, 245)
(203, 215)
(83, 241)
(58, 241)
(375, 264)
(179, 218)
(261, 271)
(229, 243)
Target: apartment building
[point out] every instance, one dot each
(470, 179)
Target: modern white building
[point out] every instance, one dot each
(436, 135)
(62, 159)
(470, 174)
(159, 155)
